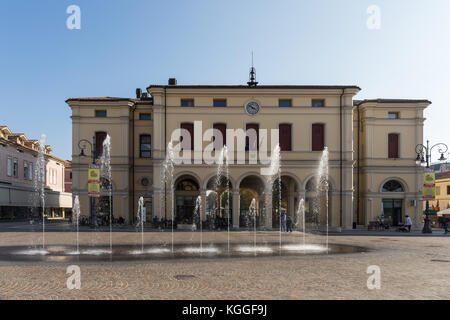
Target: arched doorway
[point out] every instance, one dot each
(219, 203)
(392, 202)
(186, 192)
(251, 187)
(289, 201)
(317, 204)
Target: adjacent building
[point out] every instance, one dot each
(371, 146)
(18, 156)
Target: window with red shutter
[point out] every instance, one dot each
(393, 145)
(222, 127)
(190, 128)
(100, 136)
(254, 143)
(318, 137)
(285, 136)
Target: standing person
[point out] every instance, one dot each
(283, 222)
(408, 223)
(445, 225)
(289, 224)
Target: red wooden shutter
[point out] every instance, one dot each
(252, 143)
(318, 137)
(222, 127)
(393, 145)
(190, 128)
(285, 138)
(99, 138)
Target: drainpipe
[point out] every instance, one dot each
(358, 167)
(340, 156)
(165, 150)
(132, 162)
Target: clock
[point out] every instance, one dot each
(252, 108)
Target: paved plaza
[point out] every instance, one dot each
(413, 266)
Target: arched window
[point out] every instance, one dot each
(187, 185)
(392, 186)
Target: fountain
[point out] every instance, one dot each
(301, 215)
(39, 184)
(322, 185)
(141, 220)
(105, 172)
(274, 174)
(223, 165)
(198, 217)
(76, 219)
(167, 177)
(252, 213)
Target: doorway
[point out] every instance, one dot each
(392, 209)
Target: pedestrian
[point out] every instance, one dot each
(445, 223)
(289, 224)
(408, 223)
(283, 222)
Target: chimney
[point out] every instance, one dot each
(138, 93)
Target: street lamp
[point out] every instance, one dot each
(82, 145)
(422, 151)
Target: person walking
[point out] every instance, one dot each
(408, 223)
(283, 222)
(289, 224)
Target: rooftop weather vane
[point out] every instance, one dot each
(252, 82)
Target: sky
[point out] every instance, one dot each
(125, 44)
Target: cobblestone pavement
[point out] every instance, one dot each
(412, 267)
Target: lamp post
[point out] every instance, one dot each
(82, 145)
(421, 160)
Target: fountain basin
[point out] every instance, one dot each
(67, 254)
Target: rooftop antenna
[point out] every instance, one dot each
(252, 82)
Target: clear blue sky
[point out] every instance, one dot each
(127, 44)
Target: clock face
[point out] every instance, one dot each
(252, 107)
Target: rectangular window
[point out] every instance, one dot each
(438, 191)
(30, 171)
(99, 138)
(318, 103)
(220, 103)
(25, 170)
(284, 103)
(448, 189)
(187, 102)
(100, 113)
(16, 168)
(222, 130)
(392, 115)
(253, 143)
(145, 146)
(318, 137)
(393, 146)
(285, 137)
(9, 167)
(145, 116)
(186, 144)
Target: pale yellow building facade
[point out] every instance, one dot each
(366, 162)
